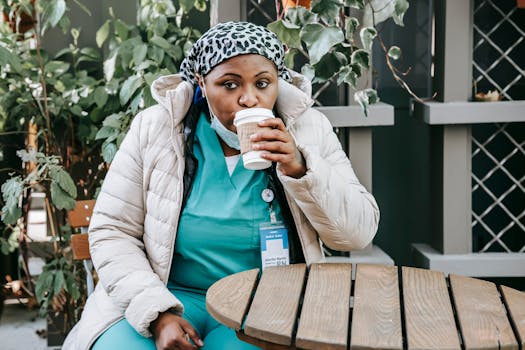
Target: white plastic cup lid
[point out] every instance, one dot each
(252, 115)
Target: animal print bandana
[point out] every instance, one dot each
(230, 39)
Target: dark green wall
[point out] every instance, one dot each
(402, 162)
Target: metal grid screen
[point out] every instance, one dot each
(498, 150)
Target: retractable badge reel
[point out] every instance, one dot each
(274, 237)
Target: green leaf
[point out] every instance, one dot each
(128, 88)
(6, 57)
(114, 120)
(400, 7)
(102, 34)
(160, 26)
(319, 40)
(83, 7)
(10, 244)
(11, 192)
(57, 67)
(43, 285)
(328, 10)
(59, 282)
(76, 110)
(347, 75)
(289, 36)
(60, 198)
(101, 96)
(351, 24)
(176, 53)
(300, 16)
(121, 29)
(53, 12)
(108, 152)
(107, 132)
(63, 179)
(91, 53)
(27, 156)
(289, 58)
(308, 71)
(135, 102)
(357, 4)
(367, 35)
(161, 42)
(156, 54)
(394, 52)
(361, 58)
(139, 53)
(365, 98)
(110, 65)
(329, 65)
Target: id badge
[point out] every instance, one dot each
(274, 244)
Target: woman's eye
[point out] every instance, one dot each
(230, 85)
(262, 84)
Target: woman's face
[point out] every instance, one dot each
(241, 82)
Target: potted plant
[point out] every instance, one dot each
(70, 112)
(334, 40)
(48, 99)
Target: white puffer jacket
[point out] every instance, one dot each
(134, 224)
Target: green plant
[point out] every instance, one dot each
(48, 99)
(335, 44)
(70, 111)
(139, 54)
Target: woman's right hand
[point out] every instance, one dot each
(172, 332)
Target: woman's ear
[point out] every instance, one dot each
(200, 81)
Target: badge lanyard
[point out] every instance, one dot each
(274, 236)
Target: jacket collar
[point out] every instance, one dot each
(176, 96)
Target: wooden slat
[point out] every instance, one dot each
(376, 318)
(516, 303)
(227, 299)
(481, 314)
(81, 214)
(261, 343)
(323, 323)
(274, 307)
(428, 311)
(80, 246)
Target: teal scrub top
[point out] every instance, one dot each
(218, 232)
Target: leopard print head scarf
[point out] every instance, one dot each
(230, 39)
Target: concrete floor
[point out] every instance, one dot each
(18, 328)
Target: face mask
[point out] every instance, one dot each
(229, 137)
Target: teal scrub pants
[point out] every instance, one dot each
(214, 335)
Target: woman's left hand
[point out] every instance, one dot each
(280, 146)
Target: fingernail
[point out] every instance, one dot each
(200, 343)
(253, 136)
(256, 146)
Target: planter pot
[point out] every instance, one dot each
(56, 329)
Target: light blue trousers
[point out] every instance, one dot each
(215, 336)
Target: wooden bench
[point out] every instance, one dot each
(292, 307)
(79, 219)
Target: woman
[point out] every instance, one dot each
(178, 211)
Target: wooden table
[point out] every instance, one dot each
(292, 307)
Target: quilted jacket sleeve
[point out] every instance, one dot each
(115, 237)
(339, 208)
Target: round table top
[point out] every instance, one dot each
(383, 307)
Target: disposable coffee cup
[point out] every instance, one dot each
(246, 121)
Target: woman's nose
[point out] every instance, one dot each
(248, 98)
